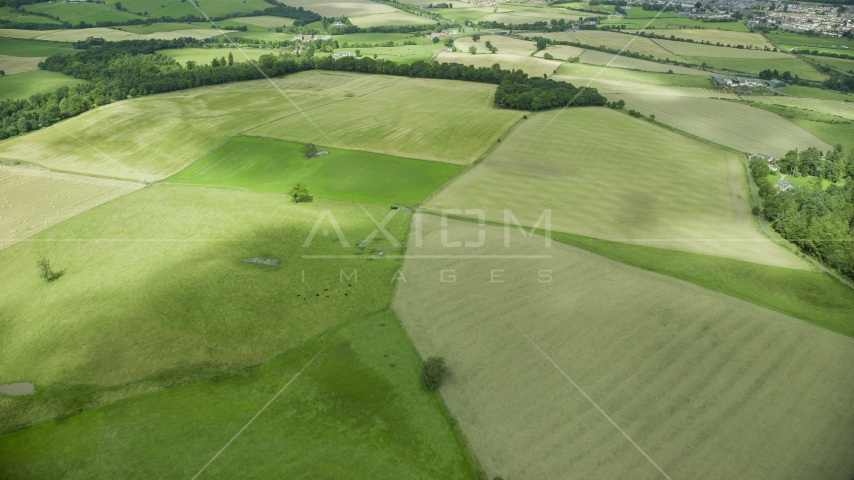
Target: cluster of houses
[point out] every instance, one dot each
(310, 38)
(736, 82)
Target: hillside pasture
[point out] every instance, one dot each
(617, 41)
(724, 37)
(34, 199)
(533, 66)
(11, 65)
(14, 16)
(357, 407)
(705, 385)
(23, 85)
(155, 136)
(206, 55)
(838, 63)
(350, 8)
(632, 182)
(594, 57)
(182, 305)
(505, 45)
(734, 125)
(265, 165)
(180, 8)
(441, 120)
(32, 48)
(81, 12)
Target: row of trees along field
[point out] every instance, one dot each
(118, 70)
(820, 221)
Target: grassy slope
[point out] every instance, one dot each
(839, 63)
(22, 85)
(635, 76)
(633, 182)
(357, 411)
(707, 385)
(32, 48)
(156, 28)
(534, 67)
(154, 293)
(275, 166)
(833, 122)
(178, 8)
(82, 12)
(726, 123)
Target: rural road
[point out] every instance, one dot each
(764, 227)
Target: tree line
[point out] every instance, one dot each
(129, 68)
(819, 221)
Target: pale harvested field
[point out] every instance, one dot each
(734, 125)
(12, 65)
(594, 57)
(616, 41)
(505, 45)
(32, 199)
(562, 52)
(606, 86)
(109, 34)
(337, 8)
(725, 37)
(440, 120)
(155, 136)
(534, 67)
(631, 181)
(685, 49)
(396, 17)
(705, 384)
(532, 15)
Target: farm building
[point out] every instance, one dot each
(720, 81)
(777, 83)
(784, 185)
(343, 54)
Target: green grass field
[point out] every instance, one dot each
(705, 384)
(378, 38)
(633, 182)
(516, 14)
(32, 48)
(400, 53)
(825, 123)
(205, 55)
(594, 57)
(16, 17)
(265, 165)
(793, 40)
(182, 305)
(178, 8)
(12, 65)
(23, 85)
(724, 37)
(388, 19)
(505, 45)
(356, 411)
(351, 8)
(82, 12)
(740, 127)
(673, 23)
(156, 28)
(838, 63)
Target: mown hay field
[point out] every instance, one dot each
(505, 45)
(616, 41)
(115, 35)
(264, 165)
(594, 57)
(440, 120)
(533, 66)
(11, 65)
(265, 21)
(706, 385)
(32, 199)
(22, 85)
(182, 305)
(632, 182)
(18, 33)
(606, 86)
(561, 52)
(744, 128)
(524, 14)
(396, 17)
(157, 28)
(633, 76)
(357, 410)
(724, 37)
(156, 136)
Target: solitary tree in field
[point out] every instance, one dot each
(472, 49)
(435, 39)
(308, 150)
(433, 372)
(475, 37)
(46, 271)
(300, 194)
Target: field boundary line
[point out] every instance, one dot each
(592, 402)
(257, 414)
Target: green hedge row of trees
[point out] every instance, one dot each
(118, 70)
